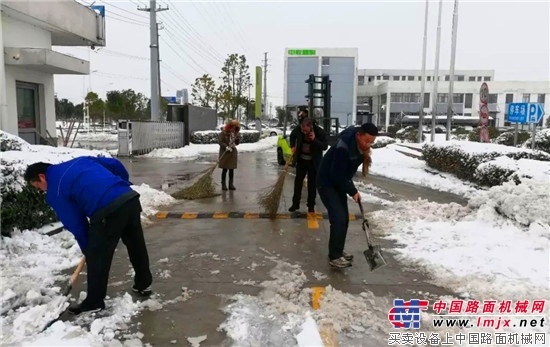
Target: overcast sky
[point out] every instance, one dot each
(511, 37)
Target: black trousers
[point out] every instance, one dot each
(303, 168)
(231, 174)
(124, 223)
(338, 214)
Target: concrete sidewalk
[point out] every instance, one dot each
(217, 258)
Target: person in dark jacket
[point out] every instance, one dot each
(308, 144)
(229, 139)
(99, 189)
(335, 181)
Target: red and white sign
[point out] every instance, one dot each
(484, 134)
(484, 114)
(484, 93)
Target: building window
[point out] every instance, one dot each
(428, 78)
(378, 78)
(487, 78)
(509, 98)
(410, 78)
(479, 78)
(371, 78)
(493, 99)
(27, 105)
(441, 98)
(447, 78)
(526, 97)
(396, 78)
(460, 78)
(426, 100)
(386, 78)
(325, 61)
(403, 78)
(361, 80)
(541, 98)
(472, 78)
(468, 100)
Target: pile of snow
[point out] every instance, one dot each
(193, 151)
(388, 162)
(382, 141)
(151, 199)
(474, 250)
(473, 148)
(536, 169)
(277, 314)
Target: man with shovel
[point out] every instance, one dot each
(97, 189)
(335, 181)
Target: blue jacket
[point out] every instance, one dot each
(80, 187)
(340, 163)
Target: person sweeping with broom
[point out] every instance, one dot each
(229, 139)
(335, 181)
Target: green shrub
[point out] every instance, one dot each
(461, 131)
(466, 166)
(206, 137)
(409, 134)
(542, 140)
(26, 209)
(392, 129)
(474, 135)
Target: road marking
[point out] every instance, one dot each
(352, 217)
(249, 215)
(189, 215)
(161, 214)
(326, 330)
(220, 215)
(316, 294)
(312, 221)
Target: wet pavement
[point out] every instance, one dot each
(216, 258)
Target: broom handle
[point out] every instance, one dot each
(77, 271)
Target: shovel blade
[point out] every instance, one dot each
(374, 257)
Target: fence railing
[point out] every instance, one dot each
(141, 137)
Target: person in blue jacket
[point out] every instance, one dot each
(335, 181)
(98, 189)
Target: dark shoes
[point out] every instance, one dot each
(86, 307)
(143, 292)
(293, 208)
(231, 186)
(311, 209)
(224, 186)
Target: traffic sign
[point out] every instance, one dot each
(484, 114)
(484, 93)
(484, 134)
(535, 112)
(525, 112)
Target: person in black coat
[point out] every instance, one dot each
(308, 141)
(335, 181)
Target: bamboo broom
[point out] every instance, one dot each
(270, 198)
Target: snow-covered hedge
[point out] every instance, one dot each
(542, 141)
(382, 141)
(212, 136)
(507, 138)
(485, 164)
(24, 207)
(409, 134)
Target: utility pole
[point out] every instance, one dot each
(436, 73)
(264, 102)
(155, 79)
(158, 58)
(423, 82)
(452, 73)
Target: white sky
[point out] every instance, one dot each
(511, 37)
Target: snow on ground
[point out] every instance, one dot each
(478, 250)
(389, 163)
(193, 151)
(275, 316)
(539, 170)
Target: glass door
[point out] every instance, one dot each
(28, 114)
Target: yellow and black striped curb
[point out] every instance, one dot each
(245, 215)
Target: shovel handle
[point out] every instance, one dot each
(77, 271)
(365, 220)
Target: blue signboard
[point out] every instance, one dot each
(525, 112)
(171, 99)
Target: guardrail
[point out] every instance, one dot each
(141, 137)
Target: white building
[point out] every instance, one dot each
(390, 94)
(28, 30)
(341, 66)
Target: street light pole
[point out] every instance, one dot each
(436, 73)
(423, 81)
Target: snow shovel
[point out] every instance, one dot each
(374, 253)
(58, 304)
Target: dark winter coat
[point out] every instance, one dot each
(229, 159)
(340, 163)
(319, 144)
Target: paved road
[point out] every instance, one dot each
(213, 258)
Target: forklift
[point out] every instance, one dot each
(318, 106)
